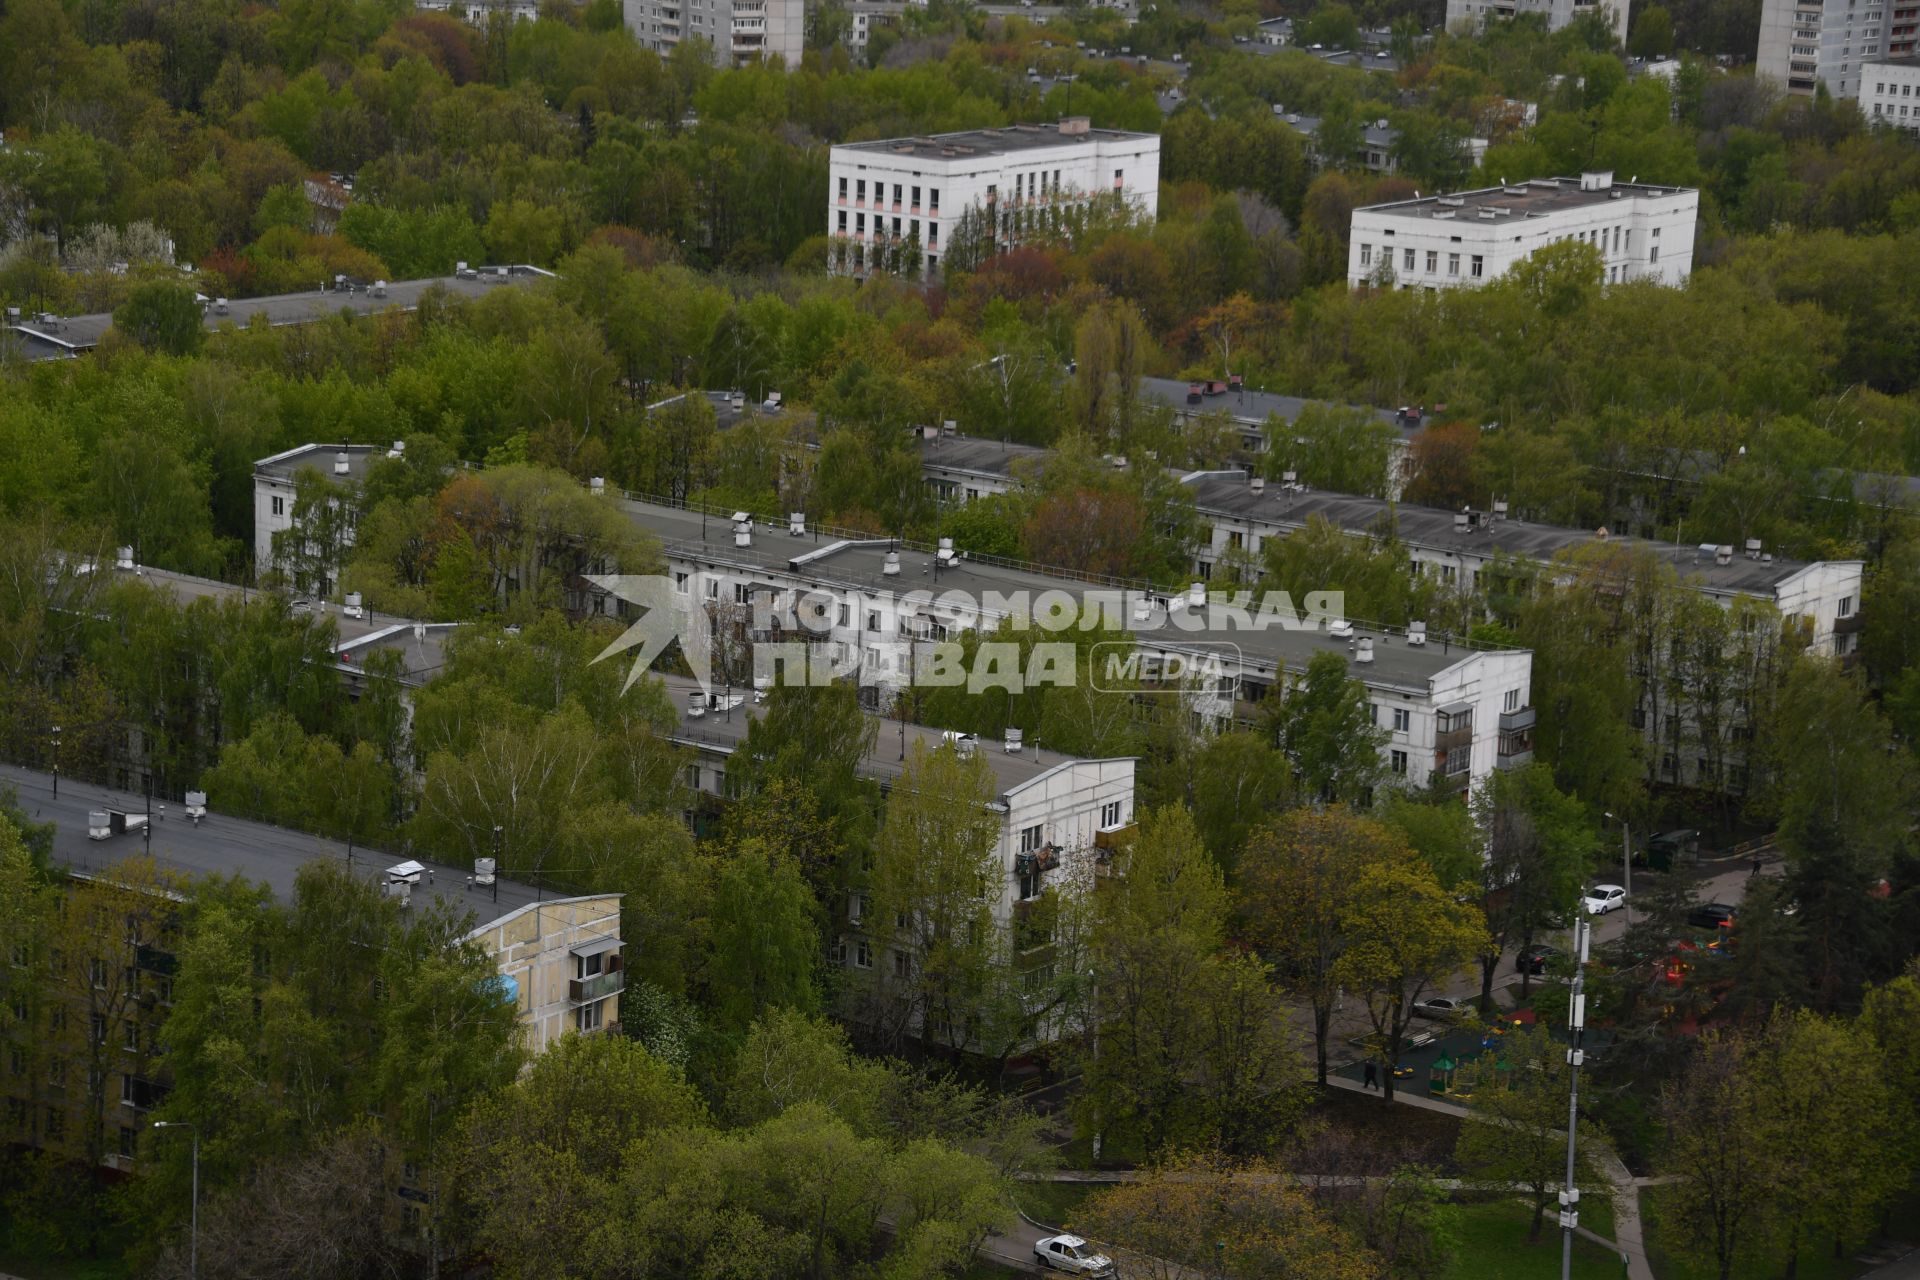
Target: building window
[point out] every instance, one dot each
(933, 199)
(916, 199)
(129, 1138)
(99, 1025)
(860, 190)
(1402, 719)
(902, 965)
(1453, 264)
(896, 204)
(1110, 814)
(1512, 702)
(130, 1036)
(1398, 760)
(843, 222)
(1433, 261)
(863, 954)
(1846, 606)
(1030, 839)
(279, 506)
(1119, 178)
(1653, 254)
(843, 188)
(1407, 258)
(1479, 266)
(1366, 255)
(591, 1017)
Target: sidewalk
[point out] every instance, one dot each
(1628, 1236)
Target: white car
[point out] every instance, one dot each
(1442, 1007)
(1603, 898)
(1071, 1253)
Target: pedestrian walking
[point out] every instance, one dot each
(1756, 867)
(1371, 1078)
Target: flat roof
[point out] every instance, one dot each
(65, 335)
(1911, 60)
(861, 565)
(227, 846)
(321, 457)
(989, 142)
(421, 645)
(724, 731)
(1229, 493)
(1248, 405)
(971, 453)
(1536, 198)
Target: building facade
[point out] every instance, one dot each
(1890, 93)
(739, 32)
(896, 205)
(277, 549)
(1807, 43)
(1472, 15)
(561, 961)
(1463, 240)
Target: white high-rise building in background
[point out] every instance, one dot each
(1471, 15)
(1804, 43)
(741, 32)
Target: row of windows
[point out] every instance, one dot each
(1477, 267)
(879, 226)
(880, 194)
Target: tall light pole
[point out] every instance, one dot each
(1576, 1022)
(56, 762)
(193, 1238)
(1626, 864)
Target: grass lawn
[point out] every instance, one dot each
(1493, 1245)
(1816, 1259)
(1052, 1203)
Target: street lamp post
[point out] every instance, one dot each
(1576, 1023)
(193, 1238)
(1626, 865)
(56, 762)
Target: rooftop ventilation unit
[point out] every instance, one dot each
(945, 555)
(1016, 740)
(1197, 594)
(1500, 509)
(1340, 629)
(1258, 484)
(1364, 653)
(1723, 555)
(123, 558)
(399, 449)
(892, 567)
(696, 705)
(597, 485)
(1416, 633)
(742, 529)
(340, 463)
(1753, 548)
(796, 524)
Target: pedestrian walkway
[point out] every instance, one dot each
(1628, 1236)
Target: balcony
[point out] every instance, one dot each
(1851, 623)
(597, 987)
(1515, 721)
(1448, 739)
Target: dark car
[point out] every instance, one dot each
(1535, 958)
(1710, 915)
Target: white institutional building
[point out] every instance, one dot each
(740, 32)
(908, 194)
(1890, 93)
(1643, 232)
(1472, 15)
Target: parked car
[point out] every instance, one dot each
(1603, 898)
(1072, 1254)
(1710, 915)
(1441, 1007)
(1535, 958)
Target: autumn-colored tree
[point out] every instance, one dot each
(1209, 1215)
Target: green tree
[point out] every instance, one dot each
(1538, 848)
(163, 317)
(1325, 726)
(1405, 935)
(1298, 878)
(1517, 1134)
(766, 939)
